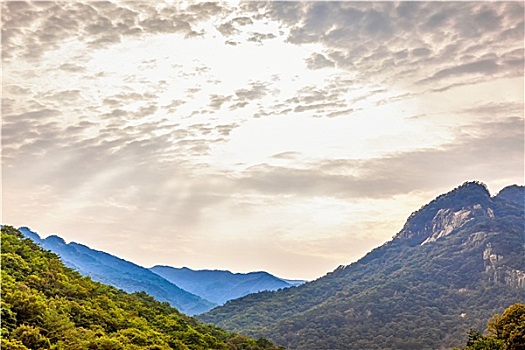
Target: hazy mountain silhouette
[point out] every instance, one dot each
(108, 269)
(220, 286)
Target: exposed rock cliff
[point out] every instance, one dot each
(465, 204)
(455, 209)
(498, 272)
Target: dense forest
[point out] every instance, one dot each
(46, 305)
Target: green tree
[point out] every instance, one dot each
(506, 331)
(31, 337)
(510, 327)
(478, 341)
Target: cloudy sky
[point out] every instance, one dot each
(290, 137)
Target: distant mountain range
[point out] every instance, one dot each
(221, 286)
(192, 292)
(108, 269)
(456, 262)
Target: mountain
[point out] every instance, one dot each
(220, 286)
(105, 268)
(457, 261)
(46, 305)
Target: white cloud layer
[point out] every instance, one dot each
(215, 135)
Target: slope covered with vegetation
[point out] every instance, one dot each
(46, 305)
(109, 269)
(457, 261)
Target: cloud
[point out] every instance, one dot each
(243, 21)
(32, 29)
(226, 129)
(260, 37)
(325, 100)
(17, 90)
(72, 68)
(315, 94)
(205, 10)
(421, 52)
(147, 174)
(318, 61)
(26, 128)
(216, 101)
(491, 109)
(256, 90)
(173, 106)
(343, 112)
(238, 105)
(63, 96)
(371, 38)
(286, 155)
(485, 67)
(146, 111)
(227, 29)
(494, 149)
(320, 107)
(159, 25)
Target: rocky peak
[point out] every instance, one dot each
(447, 213)
(513, 194)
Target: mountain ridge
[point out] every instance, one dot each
(220, 286)
(109, 269)
(453, 263)
(189, 298)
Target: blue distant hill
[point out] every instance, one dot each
(109, 269)
(192, 292)
(221, 286)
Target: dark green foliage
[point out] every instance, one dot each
(404, 294)
(46, 305)
(477, 341)
(506, 331)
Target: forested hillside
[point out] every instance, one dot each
(46, 305)
(109, 269)
(456, 262)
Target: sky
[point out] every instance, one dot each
(289, 137)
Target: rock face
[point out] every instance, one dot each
(454, 210)
(447, 213)
(456, 261)
(447, 221)
(497, 272)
